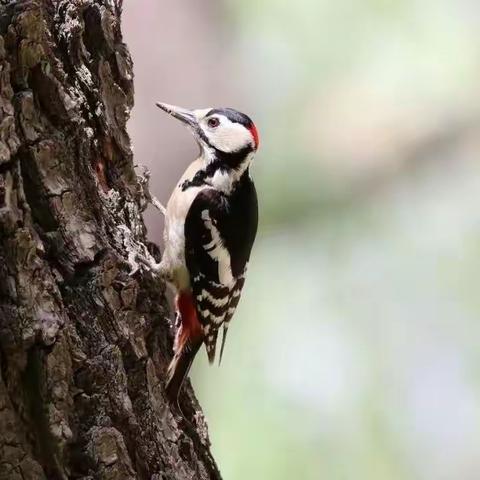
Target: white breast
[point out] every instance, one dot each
(173, 259)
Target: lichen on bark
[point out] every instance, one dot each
(84, 344)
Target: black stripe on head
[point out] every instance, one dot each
(233, 115)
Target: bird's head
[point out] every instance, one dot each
(222, 129)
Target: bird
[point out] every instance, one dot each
(211, 222)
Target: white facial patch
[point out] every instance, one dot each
(228, 136)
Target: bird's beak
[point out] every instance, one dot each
(182, 114)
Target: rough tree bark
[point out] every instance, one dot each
(84, 345)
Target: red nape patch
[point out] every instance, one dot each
(190, 327)
(254, 132)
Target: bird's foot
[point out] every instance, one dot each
(146, 260)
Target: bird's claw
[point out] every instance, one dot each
(148, 263)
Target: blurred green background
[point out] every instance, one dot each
(354, 353)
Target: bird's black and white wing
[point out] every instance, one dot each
(219, 234)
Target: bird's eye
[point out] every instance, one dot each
(213, 122)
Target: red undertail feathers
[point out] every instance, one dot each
(188, 339)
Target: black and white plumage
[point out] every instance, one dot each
(219, 234)
(210, 226)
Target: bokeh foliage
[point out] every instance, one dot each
(354, 353)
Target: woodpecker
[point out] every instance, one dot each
(210, 226)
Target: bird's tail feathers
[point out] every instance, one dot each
(188, 339)
(180, 366)
(224, 337)
(211, 345)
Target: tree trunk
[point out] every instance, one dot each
(84, 344)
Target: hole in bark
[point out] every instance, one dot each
(101, 171)
(109, 164)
